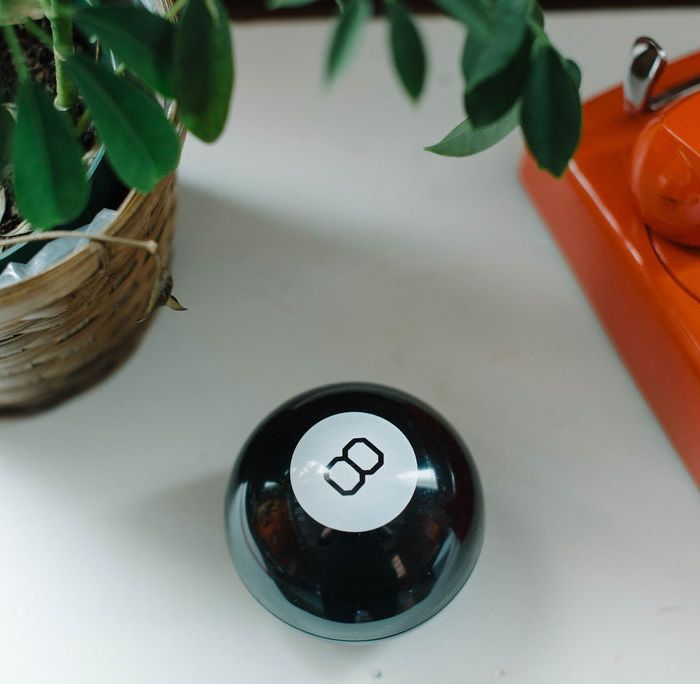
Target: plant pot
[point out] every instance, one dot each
(67, 327)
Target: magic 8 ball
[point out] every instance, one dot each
(354, 512)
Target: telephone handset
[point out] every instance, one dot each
(665, 176)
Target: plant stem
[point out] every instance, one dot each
(62, 30)
(16, 52)
(82, 124)
(175, 9)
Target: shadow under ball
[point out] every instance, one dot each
(354, 512)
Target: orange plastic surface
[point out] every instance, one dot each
(645, 289)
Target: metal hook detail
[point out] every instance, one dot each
(647, 62)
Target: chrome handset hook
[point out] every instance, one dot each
(647, 62)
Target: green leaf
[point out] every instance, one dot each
(472, 13)
(551, 112)
(50, 183)
(204, 68)
(345, 35)
(537, 15)
(142, 40)
(279, 4)
(7, 130)
(473, 45)
(406, 48)
(574, 72)
(140, 142)
(18, 11)
(489, 100)
(465, 140)
(504, 41)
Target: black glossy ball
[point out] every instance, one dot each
(354, 512)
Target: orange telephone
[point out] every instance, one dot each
(627, 217)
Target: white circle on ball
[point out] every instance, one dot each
(353, 471)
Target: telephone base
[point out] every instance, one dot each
(645, 290)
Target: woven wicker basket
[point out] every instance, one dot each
(66, 328)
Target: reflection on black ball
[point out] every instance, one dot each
(354, 512)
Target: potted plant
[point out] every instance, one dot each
(112, 83)
(95, 98)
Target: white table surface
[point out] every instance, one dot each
(318, 243)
